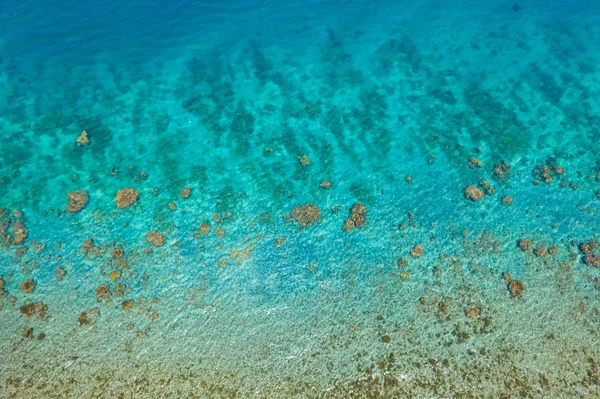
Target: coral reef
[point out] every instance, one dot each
(155, 238)
(473, 193)
(357, 217)
(516, 288)
(77, 200)
(185, 193)
(306, 214)
(27, 286)
(83, 139)
(502, 169)
(126, 197)
(32, 309)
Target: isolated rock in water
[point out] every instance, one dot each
(155, 238)
(357, 217)
(126, 197)
(306, 214)
(77, 200)
(473, 193)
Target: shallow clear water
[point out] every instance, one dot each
(253, 105)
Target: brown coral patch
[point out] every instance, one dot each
(60, 273)
(185, 193)
(83, 139)
(417, 251)
(516, 288)
(32, 309)
(592, 260)
(357, 217)
(325, 184)
(126, 197)
(127, 304)
(588, 247)
(204, 229)
(27, 286)
(507, 200)
(304, 160)
(306, 214)
(501, 169)
(117, 252)
(524, 244)
(155, 238)
(473, 193)
(103, 292)
(20, 233)
(77, 200)
(474, 163)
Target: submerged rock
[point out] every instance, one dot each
(306, 214)
(126, 197)
(77, 200)
(357, 217)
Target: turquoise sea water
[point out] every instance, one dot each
(253, 105)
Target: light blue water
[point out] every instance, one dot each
(226, 99)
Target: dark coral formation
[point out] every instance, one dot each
(502, 169)
(507, 200)
(592, 260)
(27, 286)
(83, 139)
(77, 200)
(185, 193)
(32, 309)
(126, 197)
(306, 214)
(516, 288)
(20, 233)
(524, 244)
(473, 193)
(474, 163)
(486, 187)
(588, 247)
(357, 217)
(417, 251)
(155, 238)
(546, 173)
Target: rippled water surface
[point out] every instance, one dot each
(332, 199)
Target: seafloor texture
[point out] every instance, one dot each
(334, 199)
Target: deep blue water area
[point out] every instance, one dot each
(300, 199)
